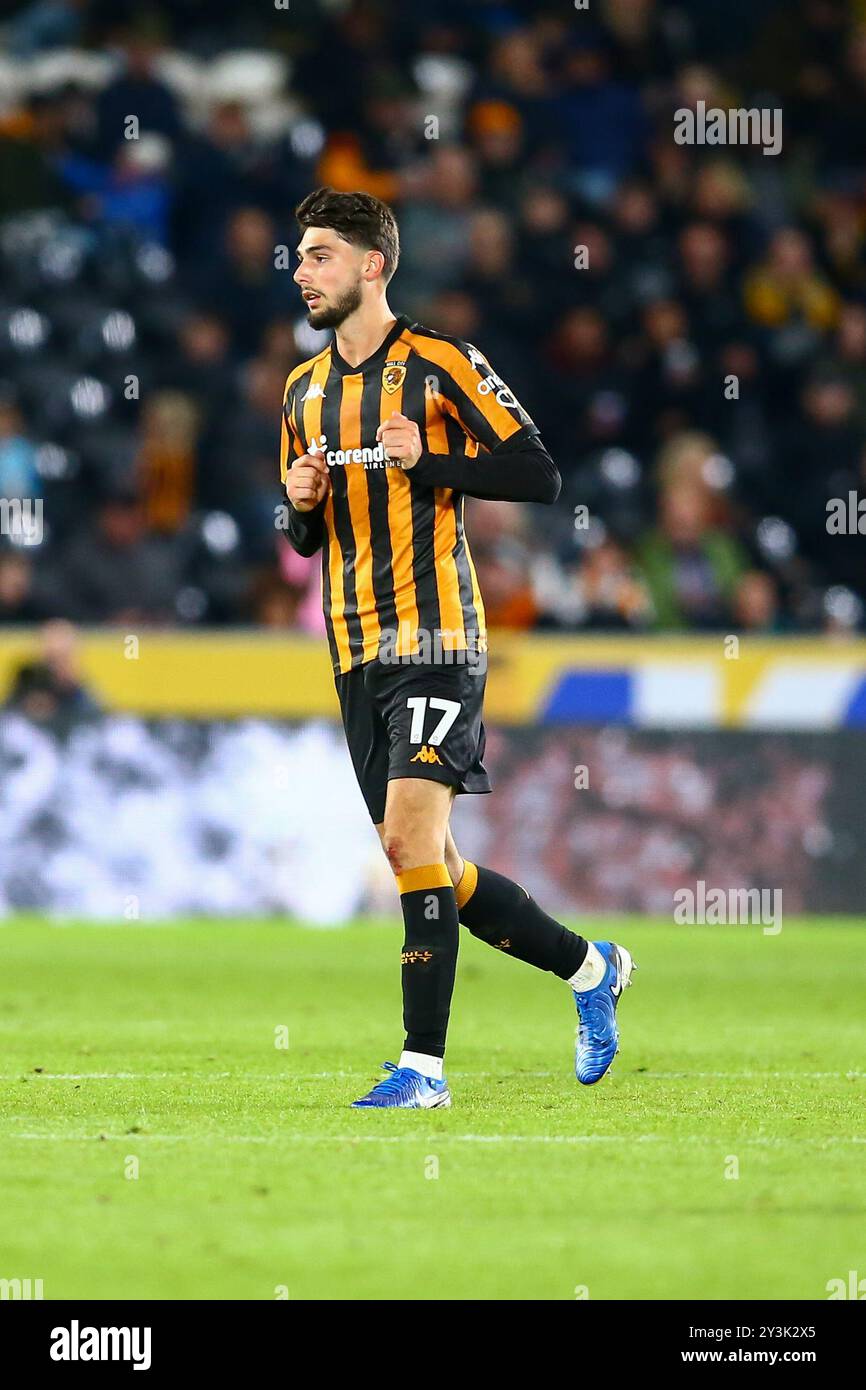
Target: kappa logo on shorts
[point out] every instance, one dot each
(427, 755)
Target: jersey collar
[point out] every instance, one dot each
(340, 365)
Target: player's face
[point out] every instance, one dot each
(329, 276)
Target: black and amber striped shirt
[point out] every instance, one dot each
(395, 558)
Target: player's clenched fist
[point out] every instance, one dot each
(307, 482)
(401, 438)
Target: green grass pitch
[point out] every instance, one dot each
(153, 1049)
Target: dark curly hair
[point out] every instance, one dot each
(358, 218)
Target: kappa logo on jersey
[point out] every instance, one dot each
(393, 376)
(314, 391)
(426, 755)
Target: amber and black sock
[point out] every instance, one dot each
(500, 912)
(429, 957)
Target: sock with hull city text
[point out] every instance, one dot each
(428, 963)
(500, 912)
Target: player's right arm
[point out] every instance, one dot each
(306, 480)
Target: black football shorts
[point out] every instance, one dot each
(413, 720)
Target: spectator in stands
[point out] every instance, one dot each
(302, 576)
(244, 285)
(603, 122)
(787, 288)
(707, 293)
(756, 603)
(378, 152)
(435, 228)
(502, 556)
(22, 597)
(587, 388)
(130, 192)
(274, 603)
(495, 131)
(31, 139)
(137, 91)
(115, 572)
(690, 567)
(166, 463)
(848, 357)
(50, 690)
(598, 590)
(242, 460)
(201, 365)
(19, 476)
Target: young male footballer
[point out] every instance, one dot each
(383, 435)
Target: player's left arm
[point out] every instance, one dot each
(515, 466)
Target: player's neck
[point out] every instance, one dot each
(363, 332)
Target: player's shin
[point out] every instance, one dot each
(500, 912)
(428, 964)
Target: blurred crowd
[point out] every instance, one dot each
(201, 823)
(686, 324)
(666, 809)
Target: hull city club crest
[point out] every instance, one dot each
(393, 376)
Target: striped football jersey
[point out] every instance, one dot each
(395, 558)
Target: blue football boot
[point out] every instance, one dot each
(406, 1089)
(597, 1035)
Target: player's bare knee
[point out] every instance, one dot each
(403, 850)
(409, 847)
(395, 852)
